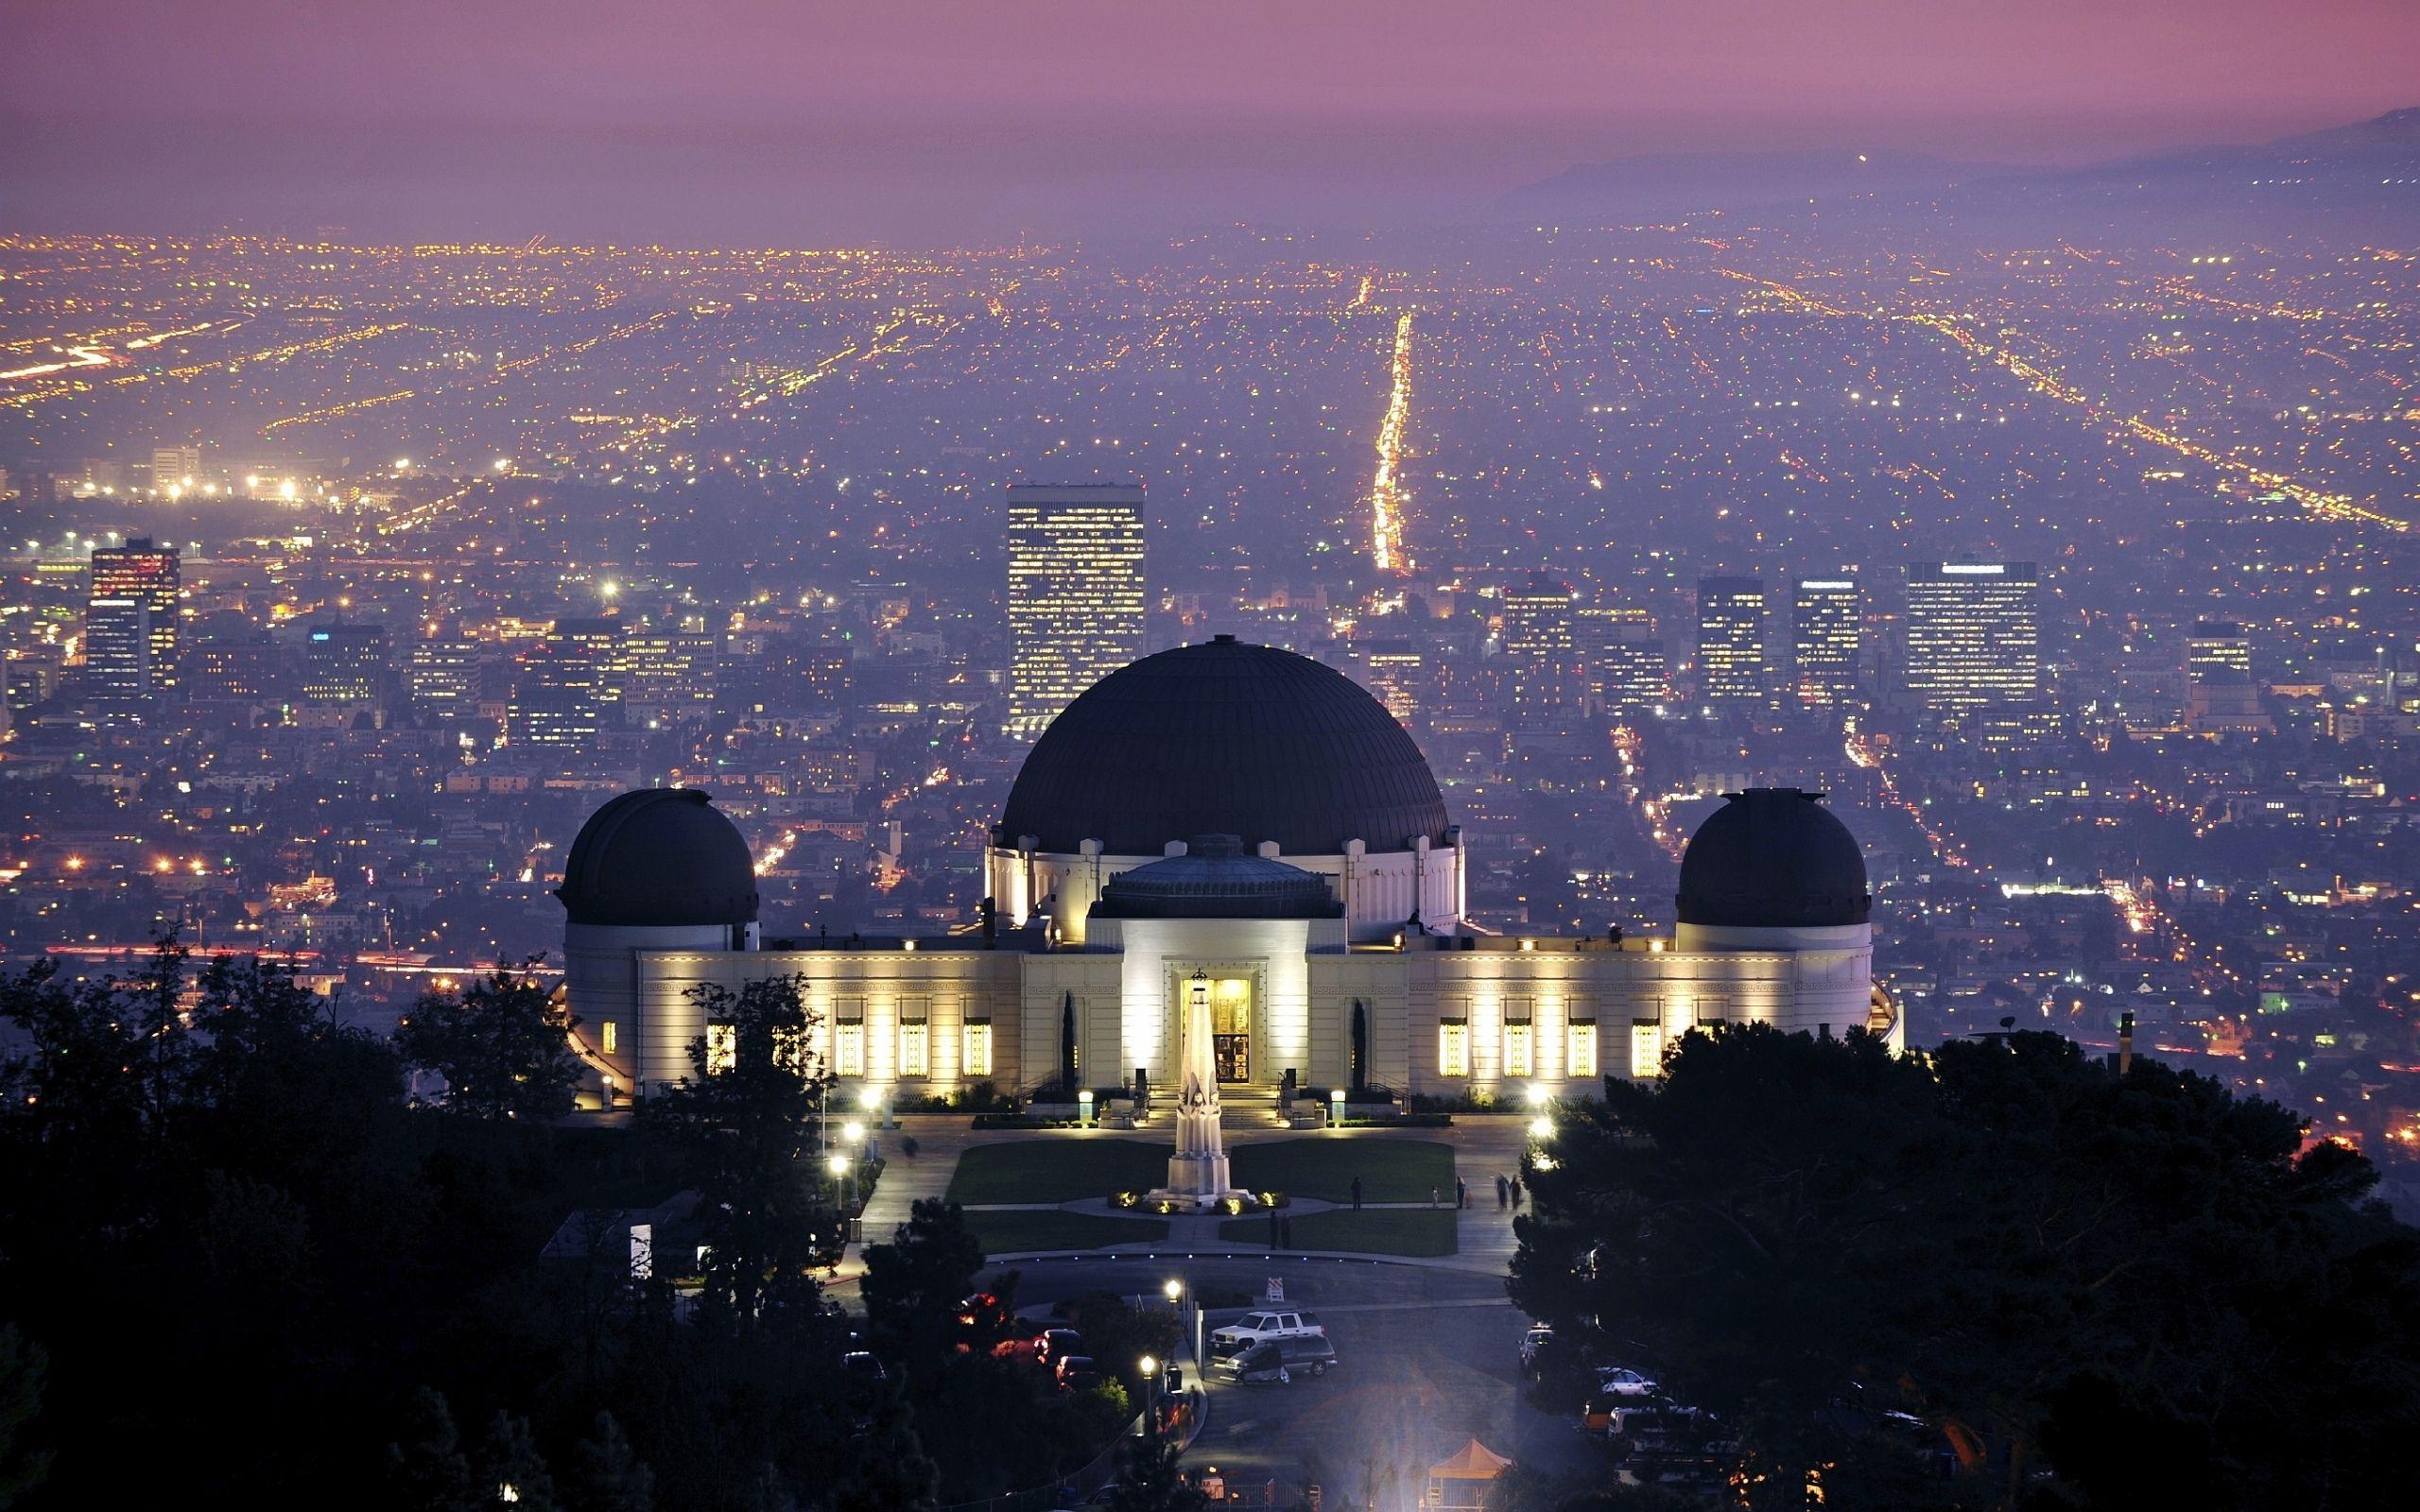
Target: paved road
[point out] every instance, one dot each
(1427, 1359)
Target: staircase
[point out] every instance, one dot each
(1239, 1107)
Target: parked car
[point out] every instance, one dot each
(1538, 1336)
(862, 1364)
(1074, 1372)
(1276, 1360)
(1052, 1345)
(1253, 1327)
(1617, 1380)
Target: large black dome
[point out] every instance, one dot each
(663, 856)
(1773, 857)
(1224, 738)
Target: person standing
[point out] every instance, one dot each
(1516, 1193)
(1503, 1197)
(1461, 1193)
(1356, 1194)
(1432, 1196)
(1273, 1228)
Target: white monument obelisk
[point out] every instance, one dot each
(1197, 1172)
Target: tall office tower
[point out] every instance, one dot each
(344, 664)
(441, 672)
(1622, 665)
(571, 686)
(1539, 646)
(1075, 595)
(153, 576)
(1826, 625)
(1974, 636)
(1732, 665)
(1397, 676)
(231, 657)
(671, 673)
(117, 650)
(2217, 645)
(175, 467)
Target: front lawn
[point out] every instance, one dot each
(1052, 1167)
(1015, 1230)
(1390, 1170)
(1423, 1232)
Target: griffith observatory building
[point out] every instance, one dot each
(1236, 825)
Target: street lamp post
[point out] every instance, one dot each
(853, 1133)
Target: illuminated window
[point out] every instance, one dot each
(1581, 1048)
(915, 1053)
(978, 1049)
(1517, 1058)
(1454, 1049)
(609, 1036)
(849, 1050)
(1645, 1049)
(722, 1048)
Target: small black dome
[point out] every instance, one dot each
(1214, 879)
(1229, 739)
(1773, 857)
(661, 856)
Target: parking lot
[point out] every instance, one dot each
(1428, 1361)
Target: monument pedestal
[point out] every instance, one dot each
(1197, 1179)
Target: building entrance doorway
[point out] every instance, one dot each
(1231, 1028)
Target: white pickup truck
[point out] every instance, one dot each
(1253, 1327)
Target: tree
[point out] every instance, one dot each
(502, 1044)
(914, 1285)
(2081, 1283)
(425, 1469)
(886, 1469)
(605, 1475)
(22, 1363)
(1148, 1479)
(509, 1463)
(745, 1122)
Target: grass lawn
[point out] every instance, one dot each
(1371, 1231)
(1390, 1170)
(1057, 1168)
(1015, 1230)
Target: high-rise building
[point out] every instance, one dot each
(152, 577)
(1075, 595)
(1397, 676)
(1974, 636)
(1539, 646)
(571, 686)
(1826, 625)
(117, 650)
(1623, 668)
(2217, 645)
(1733, 667)
(441, 674)
(344, 664)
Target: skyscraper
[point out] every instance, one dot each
(117, 650)
(1539, 646)
(153, 578)
(1075, 595)
(571, 686)
(1622, 665)
(1826, 622)
(1973, 633)
(1732, 665)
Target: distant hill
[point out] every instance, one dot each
(2368, 170)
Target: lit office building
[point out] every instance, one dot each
(117, 650)
(1732, 665)
(344, 664)
(1622, 665)
(175, 467)
(1974, 636)
(442, 674)
(1538, 645)
(1075, 595)
(152, 577)
(2217, 645)
(1826, 622)
(571, 686)
(1398, 675)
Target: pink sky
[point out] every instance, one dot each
(2010, 79)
